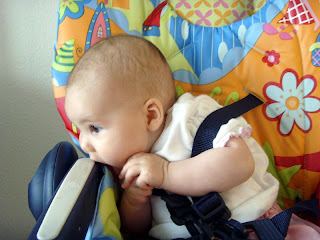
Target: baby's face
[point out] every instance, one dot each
(112, 126)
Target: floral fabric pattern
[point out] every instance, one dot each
(290, 102)
(225, 49)
(271, 58)
(71, 8)
(225, 12)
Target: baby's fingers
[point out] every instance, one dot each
(141, 183)
(122, 174)
(129, 177)
(124, 170)
(130, 164)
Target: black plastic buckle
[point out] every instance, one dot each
(180, 208)
(211, 207)
(237, 229)
(177, 201)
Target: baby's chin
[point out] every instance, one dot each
(95, 159)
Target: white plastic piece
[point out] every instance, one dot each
(65, 199)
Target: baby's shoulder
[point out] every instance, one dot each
(192, 109)
(197, 102)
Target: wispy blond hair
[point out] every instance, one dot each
(134, 61)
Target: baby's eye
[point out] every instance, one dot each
(95, 129)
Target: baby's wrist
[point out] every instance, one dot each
(136, 198)
(165, 169)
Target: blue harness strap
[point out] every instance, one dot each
(277, 227)
(209, 213)
(212, 123)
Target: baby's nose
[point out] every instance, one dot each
(85, 144)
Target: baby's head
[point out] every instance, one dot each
(117, 95)
(129, 63)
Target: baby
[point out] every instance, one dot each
(121, 96)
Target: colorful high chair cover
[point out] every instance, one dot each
(225, 49)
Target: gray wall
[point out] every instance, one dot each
(30, 124)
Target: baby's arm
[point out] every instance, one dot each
(217, 169)
(135, 209)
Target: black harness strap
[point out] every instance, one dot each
(209, 213)
(208, 217)
(212, 123)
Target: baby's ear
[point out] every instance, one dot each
(154, 113)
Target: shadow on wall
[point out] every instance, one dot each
(30, 124)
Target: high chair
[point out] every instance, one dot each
(225, 49)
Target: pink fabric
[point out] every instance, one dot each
(243, 132)
(298, 228)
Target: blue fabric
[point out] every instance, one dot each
(48, 176)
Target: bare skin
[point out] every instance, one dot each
(195, 176)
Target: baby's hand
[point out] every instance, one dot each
(135, 195)
(146, 169)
